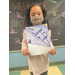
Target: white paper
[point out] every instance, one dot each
(38, 50)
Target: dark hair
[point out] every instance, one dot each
(27, 15)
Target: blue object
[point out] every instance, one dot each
(40, 30)
(29, 41)
(32, 33)
(38, 37)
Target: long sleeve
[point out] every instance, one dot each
(24, 41)
(50, 40)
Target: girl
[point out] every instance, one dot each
(36, 15)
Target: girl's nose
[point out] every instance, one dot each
(36, 16)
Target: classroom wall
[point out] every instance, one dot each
(16, 59)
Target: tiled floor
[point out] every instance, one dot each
(53, 70)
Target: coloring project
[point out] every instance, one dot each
(38, 38)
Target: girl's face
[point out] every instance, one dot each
(36, 15)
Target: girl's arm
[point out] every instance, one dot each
(50, 40)
(24, 41)
(52, 51)
(24, 48)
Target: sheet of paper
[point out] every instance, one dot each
(38, 39)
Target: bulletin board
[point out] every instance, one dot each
(56, 16)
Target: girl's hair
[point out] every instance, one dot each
(27, 21)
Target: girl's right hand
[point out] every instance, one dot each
(25, 52)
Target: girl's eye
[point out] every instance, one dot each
(32, 15)
(38, 14)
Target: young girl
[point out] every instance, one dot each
(36, 15)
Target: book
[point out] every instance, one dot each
(38, 39)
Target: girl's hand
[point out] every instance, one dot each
(25, 52)
(52, 51)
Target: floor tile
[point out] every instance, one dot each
(25, 72)
(53, 70)
(15, 73)
(62, 69)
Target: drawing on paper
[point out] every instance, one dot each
(38, 35)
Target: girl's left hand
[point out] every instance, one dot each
(52, 51)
